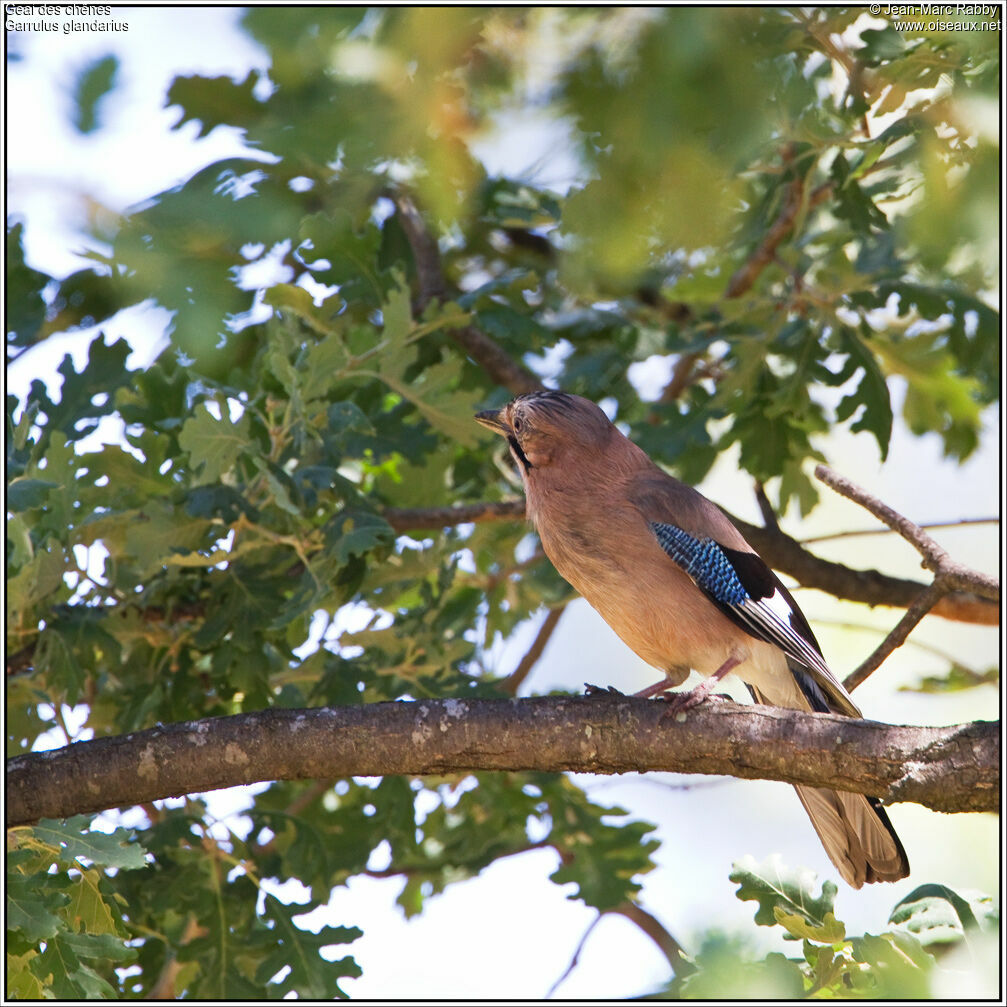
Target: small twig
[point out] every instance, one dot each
(514, 680)
(932, 553)
(650, 925)
(948, 574)
(576, 957)
(856, 533)
(956, 575)
(897, 636)
(648, 780)
(745, 276)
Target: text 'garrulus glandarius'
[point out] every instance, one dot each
(675, 579)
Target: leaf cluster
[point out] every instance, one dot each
(902, 962)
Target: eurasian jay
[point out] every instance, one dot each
(677, 582)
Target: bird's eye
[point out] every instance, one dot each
(517, 424)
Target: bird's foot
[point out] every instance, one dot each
(601, 690)
(679, 702)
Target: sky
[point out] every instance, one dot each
(469, 941)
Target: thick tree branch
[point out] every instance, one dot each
(944, 768)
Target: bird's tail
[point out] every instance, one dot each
(854, 829)
(857, 835)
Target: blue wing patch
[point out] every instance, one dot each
(704, 561)
(746, 591)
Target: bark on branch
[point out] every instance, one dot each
(944, 768)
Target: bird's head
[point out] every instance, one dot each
(547, 428)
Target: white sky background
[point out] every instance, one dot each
(511, 932)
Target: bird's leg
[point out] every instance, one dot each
(652, 690)
(655, 690)
(682, 701)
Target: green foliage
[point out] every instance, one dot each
(957, 677)
(728, 212)
(95, 81)
(898, 963)
(26, 305)
(65, 928)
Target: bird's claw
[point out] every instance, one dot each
(601, 690)
(679, 702)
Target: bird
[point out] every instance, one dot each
(676, 580)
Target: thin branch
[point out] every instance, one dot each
(576, 957)
(495, 362)
(745, 276)
(486, 352)
(860, 83)
(859, 532)
(650, 925)
(426, 254)
(769, 518)
(410, 518)
(932, 553)
(948, 573)
(743, 279)
(516, 678)
(870, 587)
(935, 558)
(657, 932)
(945, 768)
(898, 635)
(681, 378)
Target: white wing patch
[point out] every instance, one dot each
(769, 619)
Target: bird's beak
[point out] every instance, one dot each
(492, 421)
